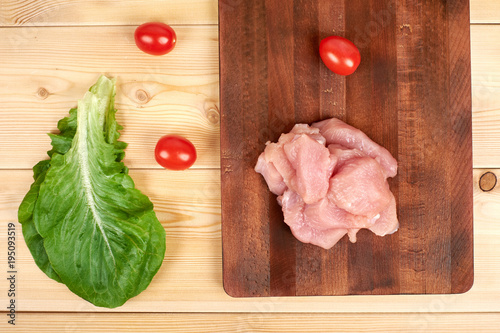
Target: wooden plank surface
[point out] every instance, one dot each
(190, 280)
(485, 52)
(196, 244)
(131, 12)
(109, 12)
(484, 11)
(415, 77)
(43, 76)
(180, 90)
(258, 322)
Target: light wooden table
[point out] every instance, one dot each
(52, 51)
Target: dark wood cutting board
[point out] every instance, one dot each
(411, 94)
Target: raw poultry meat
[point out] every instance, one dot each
(331, 180)
(336, 131)
(299, 161)
(360, 187)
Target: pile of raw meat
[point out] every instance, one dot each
(331, 180)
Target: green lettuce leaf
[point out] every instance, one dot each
(31, 235)
(61, 143)
(85, 223)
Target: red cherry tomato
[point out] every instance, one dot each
(155, 38)
(175, 152)
(340, 55)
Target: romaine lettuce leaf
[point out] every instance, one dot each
(61, 143)
(85, 223)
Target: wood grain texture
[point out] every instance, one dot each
(256, 322)
(192, 276)
(38, 88)
(115, 12)
(485, 55)
(186, 203)
(109, 12)
(190, 280)
(415, 76)
(484, 11)
(43, 74)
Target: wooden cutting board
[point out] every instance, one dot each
(411, 94)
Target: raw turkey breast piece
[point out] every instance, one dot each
(293, 211)
(273, 178)
(336, 131)
(331, 180)
(311, 162)
(360, 187)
